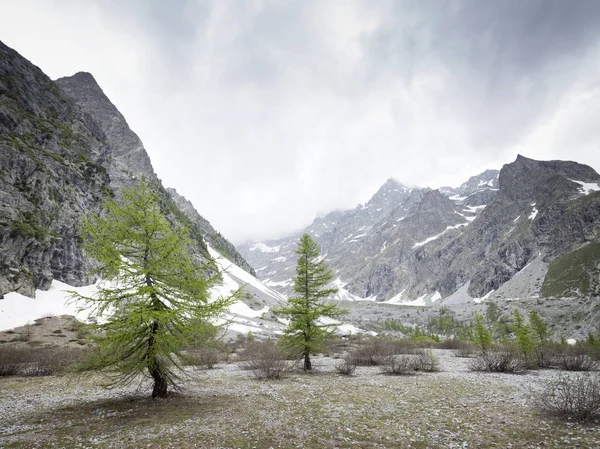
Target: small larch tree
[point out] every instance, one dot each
(307, 332)
(154, 299)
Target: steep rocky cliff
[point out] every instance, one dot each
(63, 148)
(130, 161)
(53, 169)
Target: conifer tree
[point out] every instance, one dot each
(306, 331)
(481, 334)
(154, 300)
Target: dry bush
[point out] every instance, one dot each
(12, 361)
(23, 361)
(571, 397)
(416, 360)
(499, 359)
(377, 351)
(465, 349)
(449, 343)
(428, 362)
(547, 354)
(402, 364)
(577, 358)
(206, 357)
(346, 367)
(267, 360)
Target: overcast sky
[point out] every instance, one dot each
(267, 113)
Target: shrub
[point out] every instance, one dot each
(21, 361)
(547, 354)
(267, 360)
(428, 362)
(346, 367)
(376, 351)
(206, 357)
(577, 358)
(499, 359)
(403, 364)
(465, 349)
(571, 397)
(12, 361)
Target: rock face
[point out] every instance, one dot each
(129, 158)
(54, 168)
(63, 148)
(427, 245)
(130, 161)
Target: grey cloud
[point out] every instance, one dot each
(506, 62)
(265, 112)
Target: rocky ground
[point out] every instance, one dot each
(228, 407)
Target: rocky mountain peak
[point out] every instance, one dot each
(433, 201)
(128, 155)
(530, 180)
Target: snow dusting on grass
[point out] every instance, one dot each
(227, 407)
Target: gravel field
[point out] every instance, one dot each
(227, 407)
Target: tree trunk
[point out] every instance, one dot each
(160, 383)
(307, 364)
(154, 366)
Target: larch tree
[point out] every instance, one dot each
(154, 299)
(307, 331)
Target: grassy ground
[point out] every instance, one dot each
(229, 408)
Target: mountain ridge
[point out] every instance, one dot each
(64, 147)
(433, 243)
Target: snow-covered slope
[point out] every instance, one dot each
(257, 299)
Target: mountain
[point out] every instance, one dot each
(54, 161)
(274, 260)
(64, 147)
(507, 234)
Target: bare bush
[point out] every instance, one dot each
(12, 361)
(449, 343)
(571, 397)
(346, 367)
(465, 349)
(547, 354)
(206, 357)
(402, 364)
(577, 358)
(377, 351)
(267, 360)
(415, 361)
(499, 359)
(23, 361)
(428, 362)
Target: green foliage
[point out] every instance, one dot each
(574, 274)
(444, 324)
(306, 333)
(538, 327)
(155, 302)
(481, 334)
(30, 225)
(523, 334)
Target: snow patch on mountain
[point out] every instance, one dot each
(435, 237)
(587, 187)
(534, 212)
(264, 248)
(231, 271)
